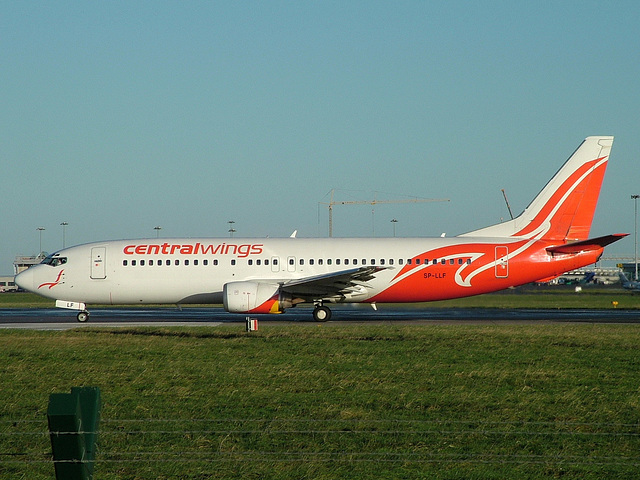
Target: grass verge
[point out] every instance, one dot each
(524, 297)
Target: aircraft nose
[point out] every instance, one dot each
(25, 280)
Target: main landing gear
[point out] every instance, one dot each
(321, 313)
(83, 316)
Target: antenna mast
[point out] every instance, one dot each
(507, 202)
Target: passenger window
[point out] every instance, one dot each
(391, 261)
(133, 263)
(233, 262)
(311, 261)
(443, 261)
(301, 261)
(329, 261)
(409, 261)
(435, 261)
(337, 261)
(177, 262)
(186, 262)
(195, 262)
(373, 261)
(275, 261)
(151, 263)
(258, 262)
(452, 261)
(205, 262)
(292, 261)
(167, 263)
(319, 261)
(417, 261)
(266, 262)
(124, 263)
(215, 262)
(400, 261)
(468, 261)
(382, 261)
(250, 262)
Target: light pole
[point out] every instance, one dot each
(231, 229)
(64, 233)
(394, 221)
(157, 229)
(635, 256)
(40, 230)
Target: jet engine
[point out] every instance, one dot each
(254, 297)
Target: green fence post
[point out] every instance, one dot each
(73, 424)
(90, 404)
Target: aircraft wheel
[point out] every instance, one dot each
(322, 314)
(83, 316)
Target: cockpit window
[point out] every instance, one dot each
(54, 261)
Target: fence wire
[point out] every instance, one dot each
(257, 440)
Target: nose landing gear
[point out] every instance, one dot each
(83, 313)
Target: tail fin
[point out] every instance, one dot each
(623, 279)
(563, 210)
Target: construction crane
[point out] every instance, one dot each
(373, 202)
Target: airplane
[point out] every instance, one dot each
(271, 275)
(628, 284)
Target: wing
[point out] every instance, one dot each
(336, 285)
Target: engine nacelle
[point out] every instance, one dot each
(253, 297)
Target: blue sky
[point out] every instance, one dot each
(120, 116)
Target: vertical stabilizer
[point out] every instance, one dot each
(563, 210)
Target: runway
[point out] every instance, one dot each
(58, 319)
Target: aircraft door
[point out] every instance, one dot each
(502, 261)
(99, 263)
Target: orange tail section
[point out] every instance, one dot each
(563, 211)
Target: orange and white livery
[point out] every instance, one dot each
(271, 275)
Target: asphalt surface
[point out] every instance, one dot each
(59, 319)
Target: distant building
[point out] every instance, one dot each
(598, 275)
(20, 264)
(7, 284)
(629, 269)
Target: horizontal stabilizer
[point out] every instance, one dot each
(587, 245)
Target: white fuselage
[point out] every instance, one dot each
(196, 270)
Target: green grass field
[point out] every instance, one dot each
(327, 401)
